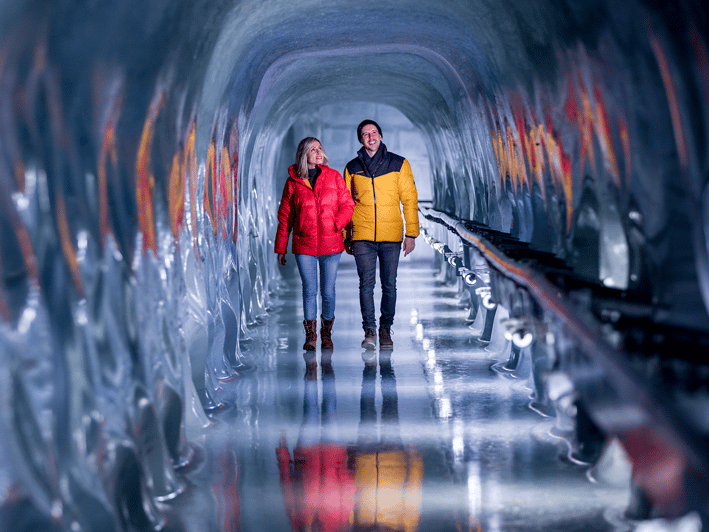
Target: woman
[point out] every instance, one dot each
(316, 206)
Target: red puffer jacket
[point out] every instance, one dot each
(316, 217)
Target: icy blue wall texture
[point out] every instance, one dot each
(137, 157)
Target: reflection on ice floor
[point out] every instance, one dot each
(426, 437)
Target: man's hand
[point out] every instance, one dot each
(409, 245)
(282, 259)
(349, 246)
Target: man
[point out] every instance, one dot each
(380, 182)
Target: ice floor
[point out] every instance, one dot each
(428, 436)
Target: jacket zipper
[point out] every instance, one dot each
(317, 224)
(374, 195)
(317, 210)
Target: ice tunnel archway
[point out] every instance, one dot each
(134, 242)
(410, 78)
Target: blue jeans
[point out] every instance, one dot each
(308, 268)
(366, 254)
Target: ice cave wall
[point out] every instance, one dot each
(137, 159)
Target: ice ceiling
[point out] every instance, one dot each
(138, 144)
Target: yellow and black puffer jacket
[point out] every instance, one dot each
(379, 190)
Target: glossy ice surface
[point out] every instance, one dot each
(487, 461)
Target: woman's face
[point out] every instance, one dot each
(315, 156)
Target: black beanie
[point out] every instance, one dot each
(366, 123)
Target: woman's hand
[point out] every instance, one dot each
(282, 259)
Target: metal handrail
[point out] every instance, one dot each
(684, 436)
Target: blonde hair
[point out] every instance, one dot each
(301, 156)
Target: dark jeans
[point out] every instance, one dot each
(366, 254)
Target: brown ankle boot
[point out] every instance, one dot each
(311, 334)
(326, 333)
(370, 339)
(385, 341)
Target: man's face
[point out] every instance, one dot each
(371, 139)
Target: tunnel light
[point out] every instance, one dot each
(485, 294)
(522, 338)
(454, 258)
(470, 278)
(518, 332)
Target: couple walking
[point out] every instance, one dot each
(318, 206)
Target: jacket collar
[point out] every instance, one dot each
(372, 165)
(293, 174)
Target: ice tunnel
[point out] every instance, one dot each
(142, 150)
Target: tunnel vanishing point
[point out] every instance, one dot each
(139, 141)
